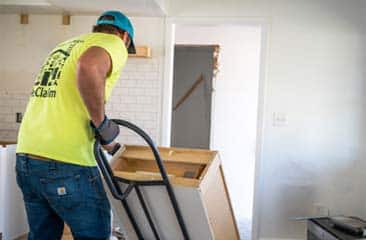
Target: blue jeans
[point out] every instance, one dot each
(56, 193)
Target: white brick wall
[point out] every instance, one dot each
(10, 104)
(136, 98)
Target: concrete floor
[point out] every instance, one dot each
(245, 229)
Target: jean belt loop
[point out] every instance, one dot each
(52, 165)
(25, 164)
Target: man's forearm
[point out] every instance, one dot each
(92, 70)
(91, 86)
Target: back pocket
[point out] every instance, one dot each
(64, 192)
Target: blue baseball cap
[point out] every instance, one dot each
(120, 21)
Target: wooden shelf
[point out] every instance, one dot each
(141, 52)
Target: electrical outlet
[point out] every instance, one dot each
(19, 117)
(280, 119)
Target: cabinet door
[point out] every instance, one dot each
(13, 219)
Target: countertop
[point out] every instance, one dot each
(5, 143)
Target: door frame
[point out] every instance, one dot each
(167, 91)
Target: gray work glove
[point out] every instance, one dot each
(106, 132)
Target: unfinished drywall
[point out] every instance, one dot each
(234, 117)
(24, 47)
(313, 155)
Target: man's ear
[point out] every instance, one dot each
(125, 37)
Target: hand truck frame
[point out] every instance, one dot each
(112, 182)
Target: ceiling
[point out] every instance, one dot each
(149, 8)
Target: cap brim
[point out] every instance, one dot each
(131, 49)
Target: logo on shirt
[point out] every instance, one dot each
(47, 80)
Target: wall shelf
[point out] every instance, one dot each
(141, 52)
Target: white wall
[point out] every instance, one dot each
(315, 75)
(234, 119)
(24, 47)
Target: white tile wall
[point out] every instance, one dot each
(10, 104)
(136, 98)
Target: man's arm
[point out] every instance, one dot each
(92, 70)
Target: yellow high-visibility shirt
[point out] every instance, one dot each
(56, 122)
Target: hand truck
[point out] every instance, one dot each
(116, 191)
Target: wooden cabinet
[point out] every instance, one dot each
(199, 185)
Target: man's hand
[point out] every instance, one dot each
(109, 147)
(106, 132)
(112, 148)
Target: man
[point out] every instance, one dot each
(56, 169)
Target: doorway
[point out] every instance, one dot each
(236, 107)
(192, 95)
